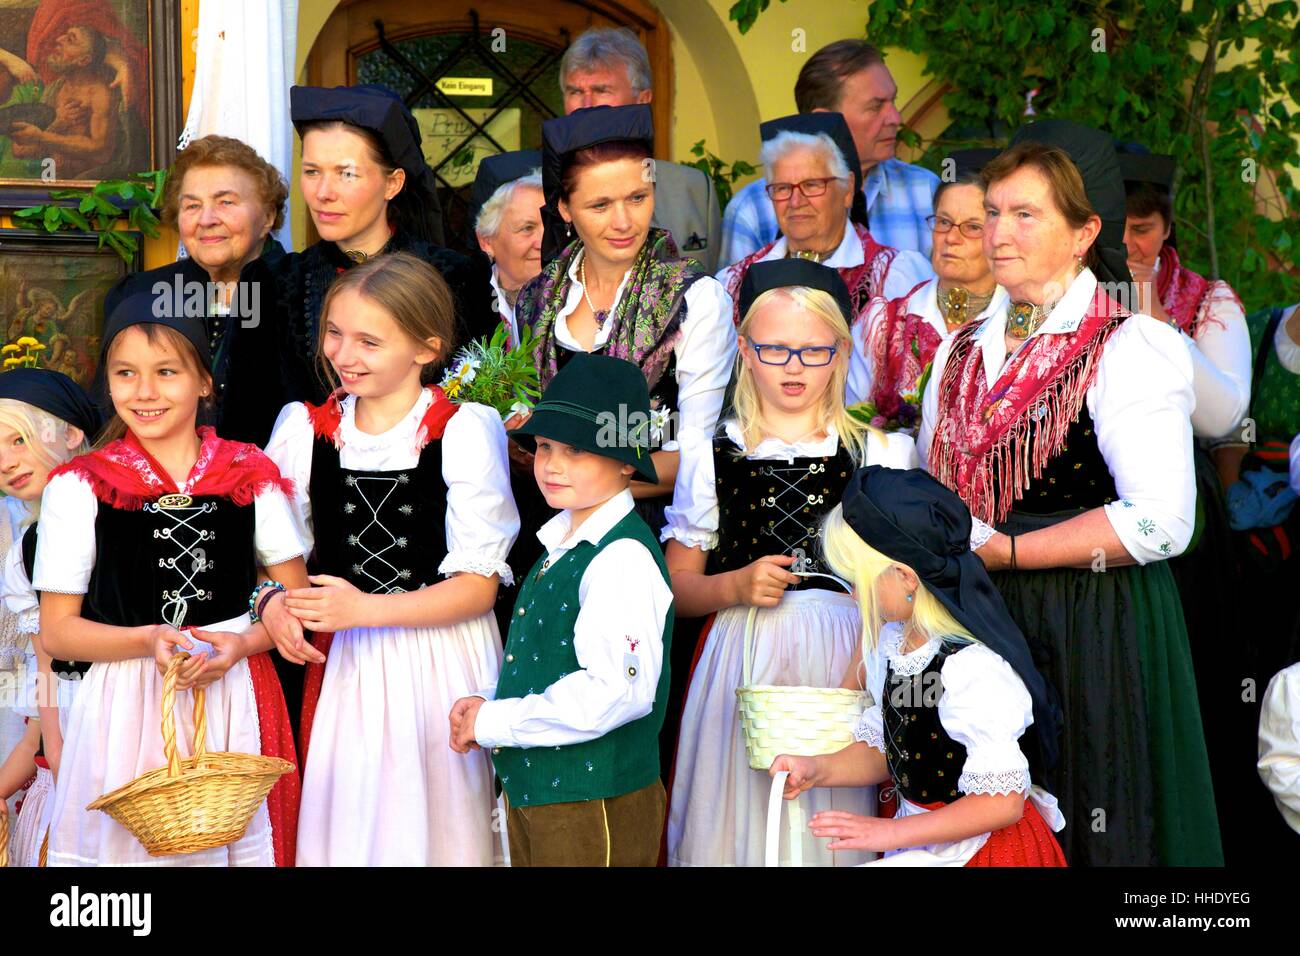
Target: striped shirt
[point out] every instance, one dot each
(899, 198)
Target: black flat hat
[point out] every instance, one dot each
(495, 171)
(145, 307)
(762, 277)
(600, 404)
(52, 392)
(566, 135)
(1137, 165)
(1093, 153)
(967, 161)
(911, 518)
(834, 126)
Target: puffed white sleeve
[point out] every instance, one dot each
(860, 369)
(930, 403)
(1288, 350)
(20, 597)
(1279, 742)
(1221, 365)
(870, 728)
(891, 450)
(275, 529)
(290, 448)
(1141, 406)
(482, 520)
(908, 270)
(692, 517)
(706, 354)
(985, 707)
(1295, 464)
(65, 546)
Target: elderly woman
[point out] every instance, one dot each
(897, 338)
(369, 191)
(225, 200)
(509, 231)
(815, 183)
(1064, 422)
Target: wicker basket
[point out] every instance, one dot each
(198, 803)
(802, 721)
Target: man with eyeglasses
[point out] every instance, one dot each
(848, 77)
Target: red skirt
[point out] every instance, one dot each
(277, 741)
(1027, 842)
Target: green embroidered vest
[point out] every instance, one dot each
(539, 651)
(1276, 406)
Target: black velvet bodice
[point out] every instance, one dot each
(775, 507)
(384, 531)
(1076, 479)
(181, 560)
(923, 759)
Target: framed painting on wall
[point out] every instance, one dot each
(89, 90)
(52, 289)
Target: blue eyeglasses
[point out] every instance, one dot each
(810, 356)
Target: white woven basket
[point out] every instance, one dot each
(802, 721)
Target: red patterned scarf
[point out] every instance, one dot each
(902, 345)
(1185, 295)
(991, 442)
(123, 475)
(325, 418)
(864, 281)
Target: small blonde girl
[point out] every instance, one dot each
(742, 545)
(955, 693)
(45, 419)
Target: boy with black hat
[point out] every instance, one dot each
(574, 720)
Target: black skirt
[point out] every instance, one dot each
(1133, 779)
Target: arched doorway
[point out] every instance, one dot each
(480, 77)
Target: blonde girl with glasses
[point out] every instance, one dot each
(742, 537)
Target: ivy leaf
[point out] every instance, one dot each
(52, 219)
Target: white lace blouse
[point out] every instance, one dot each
(481, 521)
(985, 707)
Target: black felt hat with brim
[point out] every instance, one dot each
(599, 404)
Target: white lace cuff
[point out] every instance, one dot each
(869, 732)
(994, 782)
(980, 533)
(476, 563)
(704, 540)
(29, 621)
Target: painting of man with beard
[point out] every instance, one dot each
(74, 89)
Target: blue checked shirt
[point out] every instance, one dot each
(899, 198)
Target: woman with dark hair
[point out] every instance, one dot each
(369, 191)
(1065, 422)
(620, 287)
(225, 201)
(897, 338)
(1213, 325)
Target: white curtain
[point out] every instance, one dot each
(244, 67)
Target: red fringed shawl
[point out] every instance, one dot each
(325, 418)
(123, 475)
(902, 345)
(986, 446)
(864, 281)
(1187, 296)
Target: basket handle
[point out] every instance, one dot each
(772, 847)
(169, 722)
(747, 662)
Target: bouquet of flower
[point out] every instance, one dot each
(895, 414)
(489, 373)
(31, 349)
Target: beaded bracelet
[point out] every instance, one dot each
(255, 608)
